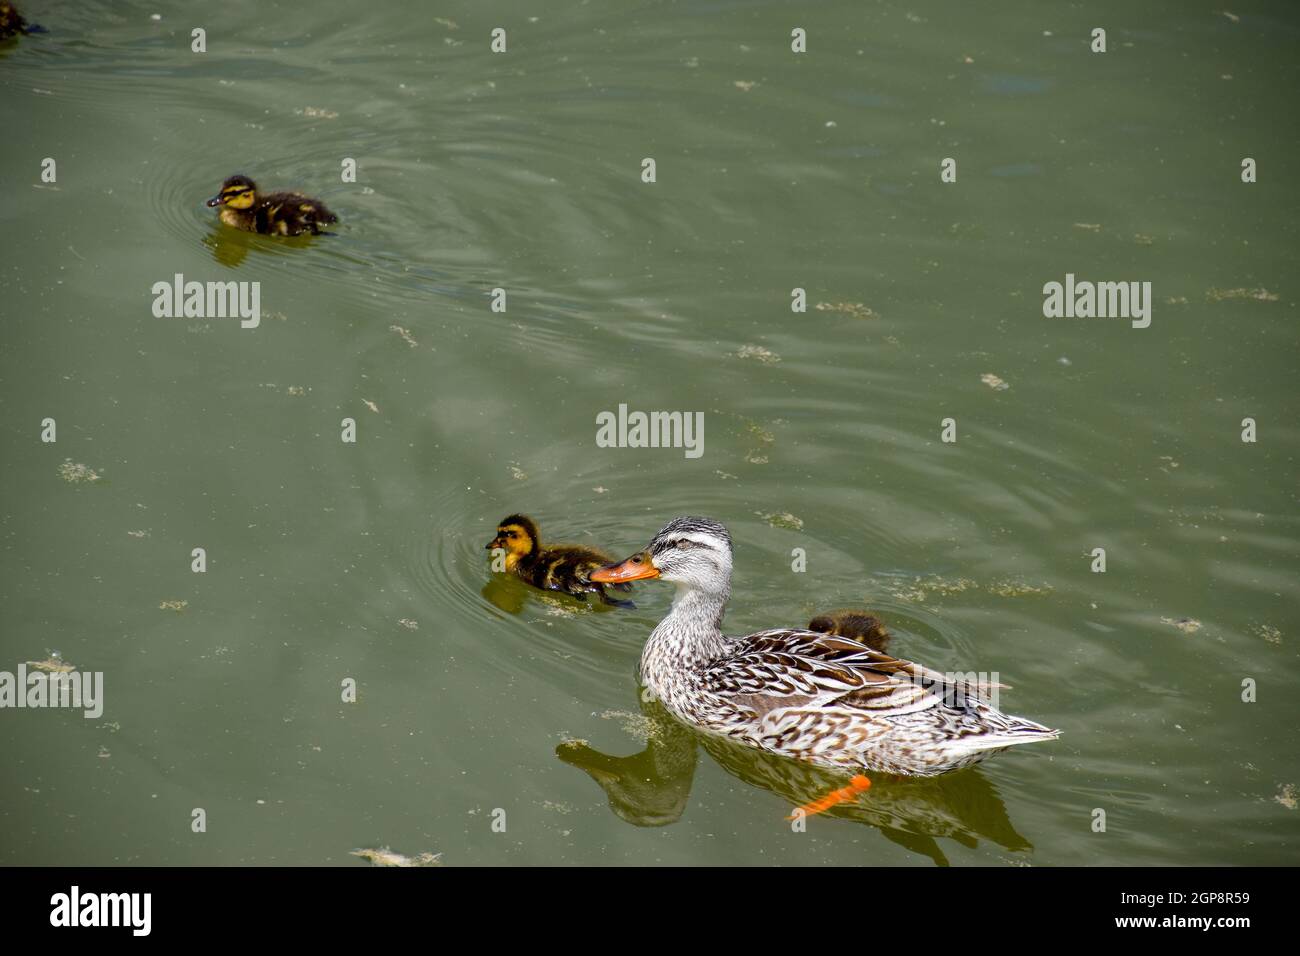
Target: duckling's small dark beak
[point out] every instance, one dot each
(215, 200)
(639, 567)
(494, 543)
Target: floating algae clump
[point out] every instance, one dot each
(855, 309)
(759, 354)
(782, 520)
(1017, 589)
(75, 473)
(918, 589)
(1262, 295)
(53, 664)
(638, 726)
(383, 856)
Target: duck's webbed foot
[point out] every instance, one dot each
(842, 795)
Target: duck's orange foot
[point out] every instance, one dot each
(858, 784)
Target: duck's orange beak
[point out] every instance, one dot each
(636, 568)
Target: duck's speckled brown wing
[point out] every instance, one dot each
(783, 668)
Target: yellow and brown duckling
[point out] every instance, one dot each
(272, 214)
(12, 23)
(861, 626)
(563, 567)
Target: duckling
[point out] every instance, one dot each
(563, 567)
(856, 625)
(274, 214)
(12, 22)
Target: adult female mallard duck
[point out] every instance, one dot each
(272, 214)
(563, 567)
(830, 700)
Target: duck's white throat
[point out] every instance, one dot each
(690, 635)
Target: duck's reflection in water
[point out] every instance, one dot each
(652, 788)
(508, 594)
(230, 247)
(227, 246)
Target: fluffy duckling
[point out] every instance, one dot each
(855, 625)
(272, 214)
(12, 22)
(564, 567)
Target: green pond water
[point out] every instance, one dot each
(522, 170)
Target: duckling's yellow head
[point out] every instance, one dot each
(237, 192)
(517, 536)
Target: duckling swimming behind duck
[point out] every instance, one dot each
(273, 214)
(564, 567)
(859, 626)
(12, 22)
